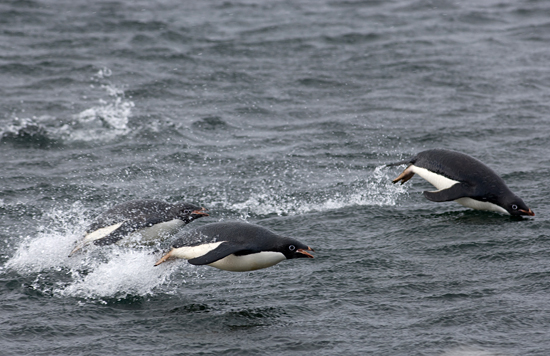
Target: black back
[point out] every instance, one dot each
(457, 166)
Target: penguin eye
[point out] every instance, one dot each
(514, 206)
(292, 247)
(187, 211)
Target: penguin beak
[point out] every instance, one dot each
(527, 212)
(306, 254)
(200, 212)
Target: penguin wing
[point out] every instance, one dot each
(223, 250)
(456, 191)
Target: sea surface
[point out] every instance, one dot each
(282, 114)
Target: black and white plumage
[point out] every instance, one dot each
(235, 246)
(463, 179)
(150, 218)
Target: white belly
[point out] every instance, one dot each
(481, 205)
(249, 262)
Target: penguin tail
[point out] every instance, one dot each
(408, 161)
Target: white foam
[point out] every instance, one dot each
(103, 73)
(127, 272)
(376, 189)
(49, 246)
(103, 122)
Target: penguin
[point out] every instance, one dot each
(150, 218)
(464, 179)
(235, 246)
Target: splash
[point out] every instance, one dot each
(105, 121)
(376, 190)
(96, 273)
(47, 248)
(126, 272)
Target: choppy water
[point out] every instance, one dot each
(283, 114)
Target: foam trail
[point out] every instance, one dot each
(376, 190)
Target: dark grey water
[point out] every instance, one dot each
(280, 113)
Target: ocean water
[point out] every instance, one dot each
(283, 114)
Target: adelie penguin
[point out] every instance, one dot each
(150, 218)
(463, 179)
(235, 246)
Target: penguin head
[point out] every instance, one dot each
(516, 207)
(294, 249)
(188, 212)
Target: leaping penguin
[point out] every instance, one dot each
(150, 218)
(464, 179)
(235, 246)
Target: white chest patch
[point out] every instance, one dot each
(481, 205)
(438, 181)
(249, 262)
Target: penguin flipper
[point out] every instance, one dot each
(223, 250)
(456, 191)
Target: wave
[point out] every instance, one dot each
(27, 131)
(105, 121)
